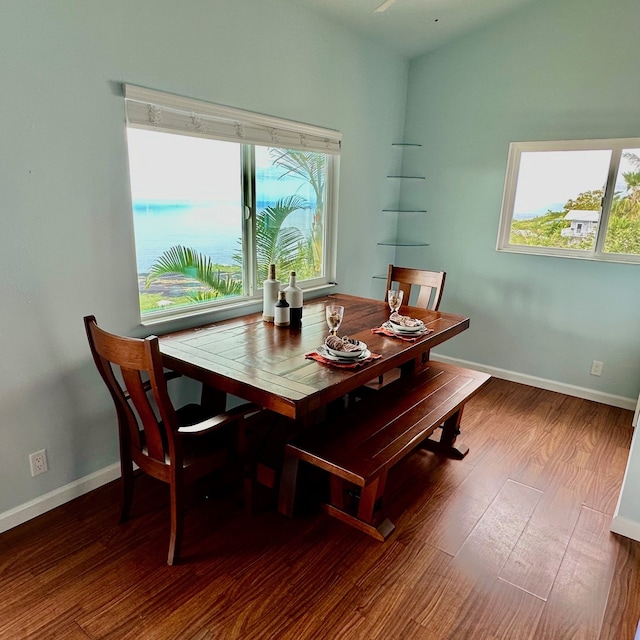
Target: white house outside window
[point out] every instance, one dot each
(576, 198)
(218, 194)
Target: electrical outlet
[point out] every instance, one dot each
(596, 368)
(38, 462)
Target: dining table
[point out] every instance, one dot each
(277, 367)
(273, 366)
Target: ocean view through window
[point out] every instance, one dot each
(212, 209)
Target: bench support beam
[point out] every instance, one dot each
(380, 533)
(446, 444)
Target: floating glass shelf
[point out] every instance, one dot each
(409, 177)
(405, 144)
(405, 210)
(401, 243)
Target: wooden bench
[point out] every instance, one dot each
(363, 444)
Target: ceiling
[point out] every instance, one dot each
(412, 27)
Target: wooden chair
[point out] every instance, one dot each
(430, 285)
(175, 446)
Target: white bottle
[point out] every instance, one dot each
(293, 295)
(270, 288)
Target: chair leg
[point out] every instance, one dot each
(249, 488)
(247, 455)
(177, 522)
(127, 479)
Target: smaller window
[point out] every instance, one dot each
(576, 198)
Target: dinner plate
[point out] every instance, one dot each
(349, 355)
(404, 330)
(324, 352)
(401, 327)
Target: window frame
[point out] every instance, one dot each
(158, 111)
(616, 146)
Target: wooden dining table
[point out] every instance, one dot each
(265, 364)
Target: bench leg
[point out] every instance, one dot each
(337, 491)
(447, 444)
(369, 496)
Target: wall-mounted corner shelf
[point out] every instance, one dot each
(404, 210)
(400, 243)
(400, 209)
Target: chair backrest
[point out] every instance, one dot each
(431, 284)
(131, 367)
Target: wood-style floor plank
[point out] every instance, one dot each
(511, 543)
(624, 596)
(536, 558)
(494, 609)
(577, 602)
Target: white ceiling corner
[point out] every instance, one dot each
(412, 27)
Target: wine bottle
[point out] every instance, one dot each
(293, 294)
(270, 288)
(281, 311)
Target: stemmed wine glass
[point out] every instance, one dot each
(334, 314)
(394, 297)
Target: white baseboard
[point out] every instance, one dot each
(57, 497)
(625, 527)
(543, 383)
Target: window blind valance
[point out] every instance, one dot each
(156, 110)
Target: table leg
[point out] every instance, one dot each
(288, 482)
(213, 400)
(416, 365)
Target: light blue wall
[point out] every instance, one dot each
(556, 69)
(66, 246)
(561, 69)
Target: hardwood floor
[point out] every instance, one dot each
(510, 543)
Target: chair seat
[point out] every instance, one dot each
(213, 448)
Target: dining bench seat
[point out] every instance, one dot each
(358, 448)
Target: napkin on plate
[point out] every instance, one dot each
(404, 321)
(342, 344)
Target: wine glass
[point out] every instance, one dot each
(394, 296)
(334, 314)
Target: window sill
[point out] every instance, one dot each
(550, 253)
(193, 317)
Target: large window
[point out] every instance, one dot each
(577, 199)
(218, 194)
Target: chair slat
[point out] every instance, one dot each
(153, 430)
(430, 284)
